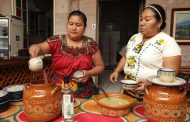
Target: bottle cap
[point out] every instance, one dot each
(66, 79)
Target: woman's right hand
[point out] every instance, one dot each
(34, 50)
(113, 77)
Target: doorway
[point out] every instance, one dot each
(40, 20)
(118, 21)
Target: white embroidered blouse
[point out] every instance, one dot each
(144, 62)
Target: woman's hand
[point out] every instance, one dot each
(142, 83)
(39, 49)
(113, 77)
(34, 50)
(85, 77)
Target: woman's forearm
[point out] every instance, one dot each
(172, 62)
(39, 49)
(96, 70)
(98, 64)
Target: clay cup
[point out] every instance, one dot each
(166, 74)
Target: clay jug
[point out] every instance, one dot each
(42, 102)
(165, 104)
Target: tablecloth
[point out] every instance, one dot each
(136, 114)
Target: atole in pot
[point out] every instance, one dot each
(42, 102)
(165, 104)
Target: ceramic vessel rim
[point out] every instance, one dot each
(4, 92)
(125, 82)
(169, 85)
(129, 99)
(167, 69)
(10, 86)
(50, 82)
(33, 58)
(76, 76)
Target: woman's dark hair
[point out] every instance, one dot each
(159, 14)
(79, 13)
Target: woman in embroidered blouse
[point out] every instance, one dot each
(149, 50)
(71, 52)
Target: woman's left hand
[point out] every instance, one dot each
(85, 78)
(142, 83)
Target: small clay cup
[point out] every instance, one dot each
(166, 74)
(77, 75)
(35, 64)
(129, 84)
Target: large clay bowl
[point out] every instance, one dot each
(114, 110)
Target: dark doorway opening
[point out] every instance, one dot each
(40, 20)
(118, 21)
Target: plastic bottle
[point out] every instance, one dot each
(68, 102)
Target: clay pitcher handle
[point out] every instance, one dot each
(56, 89)
(146, 87)
(45, 76)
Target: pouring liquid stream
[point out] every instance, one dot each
(45, 76)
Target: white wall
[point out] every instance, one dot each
(63, 7)
(169, 5)
(7, 7)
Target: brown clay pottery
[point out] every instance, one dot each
(42, 102)
(165, 104)
(111, 107)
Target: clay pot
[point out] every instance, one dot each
(165, 104)
(42, 102)
(114, 111)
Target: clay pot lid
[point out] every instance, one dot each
(176, 82)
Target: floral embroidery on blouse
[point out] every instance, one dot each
(88, 46)
(160, 42)
(138, 47)
(129, 76)
(133, 38)
(54, 38)
(131, 61)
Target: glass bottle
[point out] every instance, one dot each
(68, 102)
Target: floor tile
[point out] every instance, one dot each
(108, 86)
